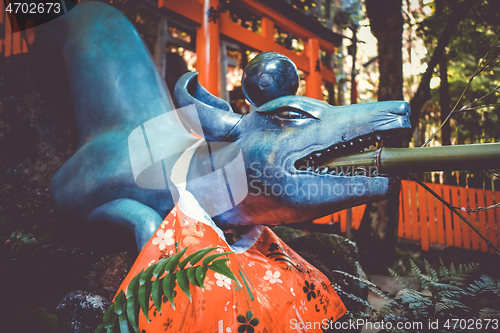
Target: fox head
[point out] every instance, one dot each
(284, 145)
(266, 167)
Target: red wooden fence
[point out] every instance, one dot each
(423, 218)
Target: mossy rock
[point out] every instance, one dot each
(81, 312)
(38, 320)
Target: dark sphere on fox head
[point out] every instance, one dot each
(269, 75)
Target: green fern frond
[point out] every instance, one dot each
(448, 295)
(492, 284)
(369, 283)
(122, 316)
(486, 313)
(431, 272)
(416, 272)
(355, 298)
(398, 278)
(449, 304)
(444, 273)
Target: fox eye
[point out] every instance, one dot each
(291, 113)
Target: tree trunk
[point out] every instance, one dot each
(444, 97)
(377, 235)
(386, 23)
(423, 93)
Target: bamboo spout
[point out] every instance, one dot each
(402, 160)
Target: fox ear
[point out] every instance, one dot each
(215, 115)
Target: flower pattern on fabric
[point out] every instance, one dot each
(302, 306)
(207, 284)
(265, 286)
(235, 307)
(273, 277)
(309, 290)
(248, 323)
(223, 281)
(192, 235)
(164, 238)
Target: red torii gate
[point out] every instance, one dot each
(209, 31)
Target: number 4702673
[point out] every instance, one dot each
(471, 324)
(33, 8)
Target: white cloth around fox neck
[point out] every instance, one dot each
(191, 207)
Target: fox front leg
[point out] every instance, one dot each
(139, 218)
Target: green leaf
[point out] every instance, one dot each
(201, 272)
(157, 293)
(134, 284)
(174, 261)
(160, 267)
(109, 317)
(133, 312)
(200, 254)
(183, 282)
(124, 328)
(184, 262)
(220, 267)
(168, 287)
(132, 305)
(119, 303)
(249, 315)
(146, 276)
(191, 275)
(143, 297)
(207, 260)
(100, 329)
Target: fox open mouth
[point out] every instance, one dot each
(317, 161)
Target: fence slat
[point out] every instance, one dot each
(406, 209)
(481, 215)
(324, 220)
(465, 228)
(401, 232)
(2, 13)
(422, 209)
(439, 213)
(414, 211)
(357, 213)
(490, 215)
(472, 218)
(16, 40)
(432, 219)
(457, 222)
(497, 215)
(448, 226)
(343, 220)
(8, 38)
